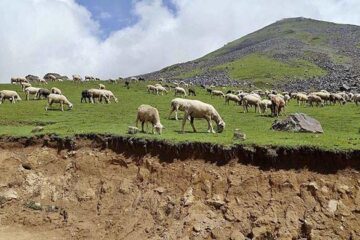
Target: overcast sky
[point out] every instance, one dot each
(112, 38)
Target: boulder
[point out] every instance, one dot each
(298, 122)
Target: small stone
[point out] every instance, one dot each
(332, 206)
(188, 197)
(237, 235)
(9, 194)
(37, 129)
(159, 190)
(132, 130)
(238, 135)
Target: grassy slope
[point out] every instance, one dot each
(341, 123)
(262, 68)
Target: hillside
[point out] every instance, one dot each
(326, 55)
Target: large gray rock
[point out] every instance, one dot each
(298, 122)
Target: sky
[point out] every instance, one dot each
(113, 38)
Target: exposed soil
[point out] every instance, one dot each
(92, 189)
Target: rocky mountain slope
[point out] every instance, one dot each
(326, 55)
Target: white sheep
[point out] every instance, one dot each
(161, 89)
(12, 96)
(152, 89)
(25, 85)
(197, 109)
(315, 99)
(97, 94)
(101, 86)
(356, 98)
(55, 90)
(31, 91)
(217, 93)
(56, 98)
(147, 113)
(109, 95)
(180, 91)
(251, 100)
(176, 105)
(301, 98)
(232, 97)
(42, 81)
(264, 105)
(76, 78)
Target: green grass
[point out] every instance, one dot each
(189, 74)
(265, 69)
(340, 123)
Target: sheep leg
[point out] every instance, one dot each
(210, 127)
(142, 126)
(192, 123)
(62, 106)
(183, 122)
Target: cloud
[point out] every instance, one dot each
(105, 15)
(40, 36)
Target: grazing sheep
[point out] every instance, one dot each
(96, 94)
(264, 105)
(162, 90)
(197, 109)
(89, 78)
(43, 92)
(209, 90)
(286, 98)
(85, 95)
(192, 91)
(277, 105)
(232, 97)
(12, 96)
(315, 99)
(101, 86)
(152, 89)
(251, 100)
(108, 95)
(76, 78)
(217, 93)
(31, 91)
(25, 85)
(56, 90)
(301, 98)
(127, 84)
(337, 98)
(180, 91)
(51, 78)
(176, 105)
(324, 95)
(356, 98)
(56, 98)
(147, 113)
(42, 81)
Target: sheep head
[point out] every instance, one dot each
(220, 126)
(158, 128)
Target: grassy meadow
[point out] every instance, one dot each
(341, 124)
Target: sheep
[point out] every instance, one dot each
(176, 105)
(251, 100)
(25, 85)
(55, 90)
(301, 98)
(12, 96)
(43, 92)
(192, 91)
(161, 89)
(180, 91)
(32, 91)
(108, 95)
(152, 89)
(324, 95)
(277, 105)
(52, 78)
(232, 97)
(42, 81)
(197, 109)
(96, 93)
(315, 99)
(336, 98)
(89, 78)
(101, 86)
(85, 95)
(264, 105)
(56, 98)
(286, 98)
(209, 90)
(76, 78)
(127, 84)
(147, 113)
(217, 93)
(356, 98)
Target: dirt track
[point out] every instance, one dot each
(99, 194)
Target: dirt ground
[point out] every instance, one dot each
(98, 194)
